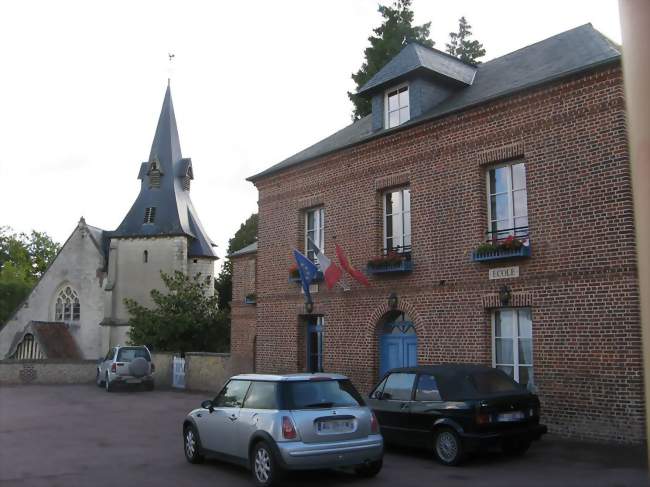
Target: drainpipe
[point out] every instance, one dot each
(635, 24)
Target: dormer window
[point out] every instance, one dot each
(150, 214)
(397, 106)
(154, 175)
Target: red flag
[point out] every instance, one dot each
(345, 263)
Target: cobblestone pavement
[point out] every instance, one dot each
(79, 435)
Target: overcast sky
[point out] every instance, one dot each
(253, 82)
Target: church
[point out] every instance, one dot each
(77, 309)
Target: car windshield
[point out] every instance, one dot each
(493, 382)
(321, 394)
(130, 354)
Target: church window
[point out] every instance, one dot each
(67, 306)
(150, 214)
(145, 256)
(186, 183)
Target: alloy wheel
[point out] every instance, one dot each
(447, 446)
(190, 443)
(262, 465)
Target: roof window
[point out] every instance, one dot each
(150, 214)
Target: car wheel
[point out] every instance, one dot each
(107, 384)
(369, 469)
(192, 445)
(265, 469)
(98, 379)
(448, 447)
(515, 447)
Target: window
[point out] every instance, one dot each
(427, 389)
(67, 307)
(150, 214)
(507, 200)
(232, 396)
(110, 354)
(376, 394)
(399, 387)
(130, 354)
(262, 395)
(513, 343)
(315, 344)
(397, 220)
(493, 382)
(321, 394)
(28, 349)
(314, 231)
(154, 175)
(186, 183)
(397, 106)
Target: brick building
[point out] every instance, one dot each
(527, 152)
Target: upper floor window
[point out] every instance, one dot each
(67, 307)
(397, 106)
(314, 231)
(397, 220)
(150, 214)
(507, 200)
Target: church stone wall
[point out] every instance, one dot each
(79, 264)
(205, 267)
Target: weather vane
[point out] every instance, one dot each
(171, 56)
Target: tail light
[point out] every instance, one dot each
(483, 418)
(114, 367)
(374, 424)
(288, 429)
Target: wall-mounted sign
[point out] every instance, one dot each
(504, 272)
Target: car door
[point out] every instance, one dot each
(106, 363)
(392, 404)
(257, 413)
(425, 409)
(217, 429)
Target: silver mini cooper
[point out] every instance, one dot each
(275, 423)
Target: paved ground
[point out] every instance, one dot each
(82, 436)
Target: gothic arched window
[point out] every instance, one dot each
(67, 307)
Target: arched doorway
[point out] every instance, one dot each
(398, 342)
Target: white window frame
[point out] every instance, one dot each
(510, 192)
(515, 344)
(387, 111)
(319, 229)
(60, 313)
(401, 212)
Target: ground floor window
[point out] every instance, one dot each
(315, 344)
(512, 332)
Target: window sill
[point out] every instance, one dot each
(521, 253)
(402, 267)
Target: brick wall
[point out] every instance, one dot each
(580, 282)
(243, 329)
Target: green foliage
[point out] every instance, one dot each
(184, 319)
(246, 235)
(461, 46)
(396, 30)
(23, 260)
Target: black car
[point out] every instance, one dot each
(455, 409)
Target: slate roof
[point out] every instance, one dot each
(573, 51)
(415, 57)
(175, 213)
(54, 340)
(249, 249)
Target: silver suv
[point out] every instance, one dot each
(275, 423)
(126, 366)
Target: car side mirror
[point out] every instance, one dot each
(207, 404)
(376, 395)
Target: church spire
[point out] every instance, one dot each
(166, 146)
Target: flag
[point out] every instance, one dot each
(307, 270)
(345, 263)
(331, 271)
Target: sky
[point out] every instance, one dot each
(253, 82)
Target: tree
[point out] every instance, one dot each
(183, 319)
(246, 235)
(461, 46)
(23, 260)
(396, 30)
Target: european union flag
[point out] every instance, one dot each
(307, 270)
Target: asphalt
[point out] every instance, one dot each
(79, 435)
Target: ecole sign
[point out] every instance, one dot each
(504, 272)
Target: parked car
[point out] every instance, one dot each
(455, 409)
(126, 366)
(275, 423)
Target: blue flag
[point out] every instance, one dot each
(307, 270)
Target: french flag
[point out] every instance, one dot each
(331, 272)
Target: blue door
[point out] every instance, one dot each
(398, 347)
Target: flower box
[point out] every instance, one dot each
(509, 248)
(393, 262)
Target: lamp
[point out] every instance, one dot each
(505, 294)
(309, 307)
(392, 301)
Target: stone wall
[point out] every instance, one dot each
(47, 372)
(203, 371)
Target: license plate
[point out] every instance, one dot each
(335, 426)
(509, 417)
